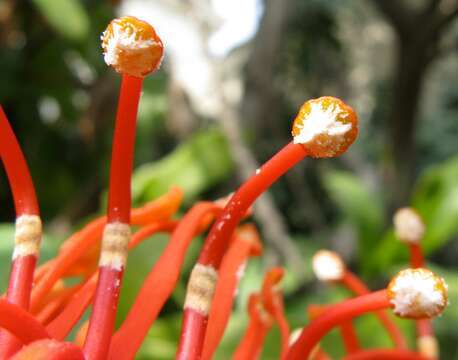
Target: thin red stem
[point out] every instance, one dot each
(385, 354)
(251, 345)
(259, 325)
(50, 350)
(122, 157)
(26, 204)
(280, 318)
(350, 339)
(159, 284)
(355, 284)
(416, 256)
(20, 323)
(347, 330)
(81, 242)
(103, 314)
(230, 273)
(216, 243)
(334, 316)
(101, 322)
(223, 228)
(25, 199)
(61, 326)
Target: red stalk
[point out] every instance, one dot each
(223, 228)
(336, 315)
(20, 323)
(259, 325)
(115, 241)
(159, 284)
(61, 326)
(383, 354)
(355, 284)
(49, 350)
(25, 199)
(273, 303)
(28, 226)
(246, 242)
(347, 330)
(80, 243)
(54, 306)
(350, 339)
(416, 256)
(217, 240)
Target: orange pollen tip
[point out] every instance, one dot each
(417, 293)
(132, 47)
(326, 127)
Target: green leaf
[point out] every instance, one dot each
(67, 17)
(436, 199)
(194, 166)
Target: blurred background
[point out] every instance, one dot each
(234, 75)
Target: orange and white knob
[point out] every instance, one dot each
(417, 293)
(326, 127)
(132, 47)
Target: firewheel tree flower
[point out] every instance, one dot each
(41, 306)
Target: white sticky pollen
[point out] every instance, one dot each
(123, 40)
(408, 226)
(201, 287)
(321, 122)
(417, 293)
(328, 266)
(27, 236)
(115, 240)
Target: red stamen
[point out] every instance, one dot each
(49, 350)
(221, 231)
(28, 226)
(54, 306)
(355, 284)
(350, 339)
(416, 256)
(383, 354)
(20, 323)
(80, 243)
(61, 326)
(273, 303)
(246, 242)
(158, 285)
(25, 199)
(259, 325)
(335, 315)
(347, 330)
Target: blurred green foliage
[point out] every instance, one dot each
(195, 166)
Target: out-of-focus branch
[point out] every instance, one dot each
(396, 13)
